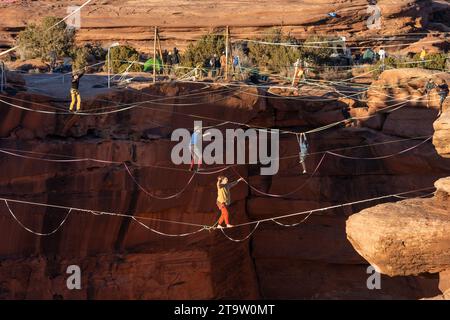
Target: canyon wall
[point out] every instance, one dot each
(121, 259)
(182, 21)
(410, 237)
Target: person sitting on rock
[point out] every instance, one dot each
(74, 92)
(443, 93)
(224, 199)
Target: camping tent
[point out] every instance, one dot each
(148, 65)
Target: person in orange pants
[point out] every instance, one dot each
(224, 199)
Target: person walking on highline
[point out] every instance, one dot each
(443, 93)
(196, 148)
(224, 199)
(74, 91)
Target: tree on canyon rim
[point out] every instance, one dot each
(40, 40)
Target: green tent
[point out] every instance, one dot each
(148, 65)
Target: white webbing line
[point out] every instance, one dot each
(176, 195)
(294, 224)
(290, 192)
(243, 239)
(328, 208)
(381, 157)
(203, 227)
(35, 232)
(169, 234)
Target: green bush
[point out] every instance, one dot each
(317, 50)
(79, 58)
(438, 62)
(96, 52)
(38, 41)
(200, 51)
(274, 58)
(121, 57)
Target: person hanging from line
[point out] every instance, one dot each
(224, 199)
(74, 91)
(429, 86)
(196, 148)
(443, 93)
(304, 147)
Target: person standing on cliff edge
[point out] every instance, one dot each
(443, 93)
(74, 92)
(224, 199)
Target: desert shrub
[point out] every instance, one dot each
(202, 50)
(438, 62)
(121, 57)
(274, 58)
(80, 58)
(96, 52)
(317, 50)
(38, 41)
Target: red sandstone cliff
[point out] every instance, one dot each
(409, 237)
(119, 259)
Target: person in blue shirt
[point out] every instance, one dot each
(195, 147)
(236, 63)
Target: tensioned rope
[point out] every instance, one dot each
(292, 45)
(13, 152)
(234, 122)
(177, 194)
(327, 208)
(63, 221)
(272, 195)
(203, 227)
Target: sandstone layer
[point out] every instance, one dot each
(120, 259)
(181, 21)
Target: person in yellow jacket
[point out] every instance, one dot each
(423, 55)
(75, 94)
(224, 199)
